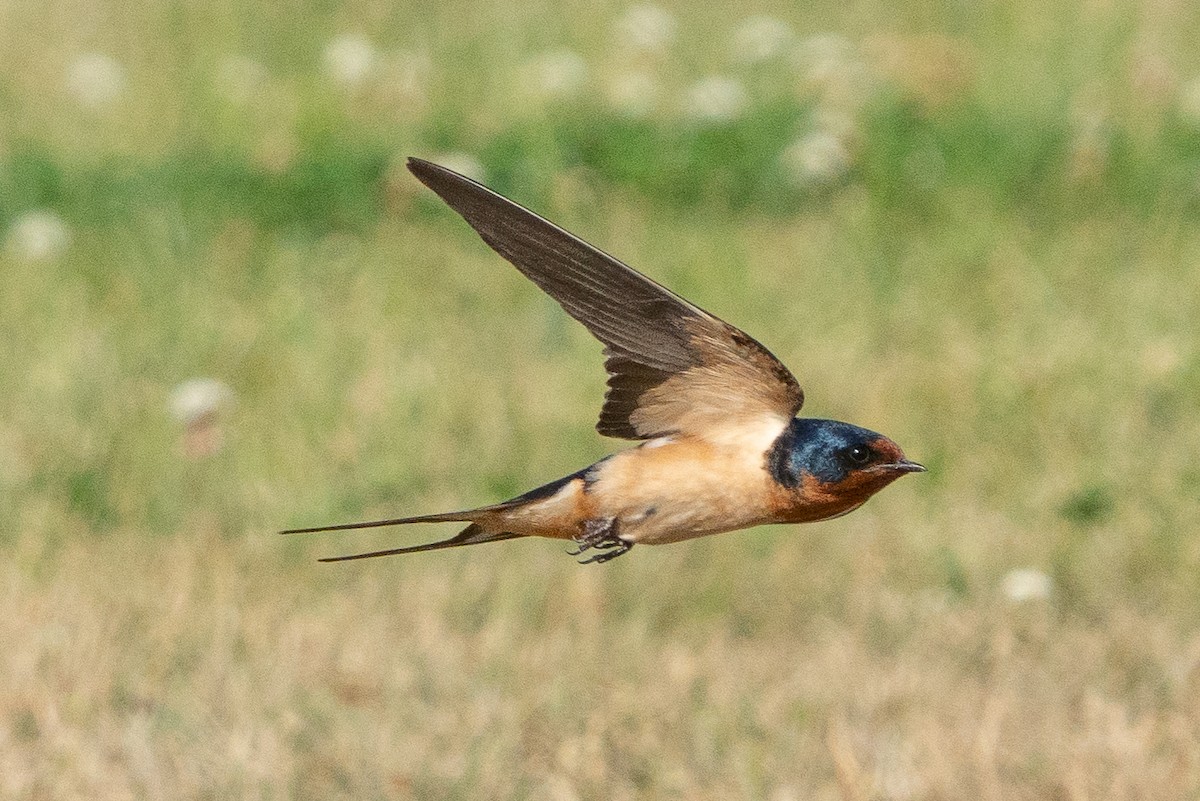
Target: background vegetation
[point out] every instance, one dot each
(226, 309)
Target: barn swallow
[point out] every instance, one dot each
(721, 446)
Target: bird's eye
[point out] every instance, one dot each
(858, 455)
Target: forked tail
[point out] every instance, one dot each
(473, 534)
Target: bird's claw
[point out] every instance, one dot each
(600, 535)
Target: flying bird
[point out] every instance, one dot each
(720, 447)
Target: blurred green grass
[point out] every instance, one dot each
(990, 254)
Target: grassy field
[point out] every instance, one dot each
(974, 228)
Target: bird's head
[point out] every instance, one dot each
(831, 467)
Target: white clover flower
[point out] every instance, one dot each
(462, 163)
(95, 80)
(1026, 584)
(819, 58)
(634, 94)
(1162, 358)
(816, 159)
(761, 38)
(239, 78)
(715, 99)
(38, 236)
(1188, 101)
(350, 59)
(646, 27)
(197, 401)
(556, 73)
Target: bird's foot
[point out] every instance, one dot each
(600, 535)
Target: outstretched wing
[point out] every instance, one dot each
(673, 367)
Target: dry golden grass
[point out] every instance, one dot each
(193, 666)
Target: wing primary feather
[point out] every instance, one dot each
(615, 302)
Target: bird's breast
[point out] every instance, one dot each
(671, 490)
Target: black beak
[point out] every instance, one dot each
(902, 466)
